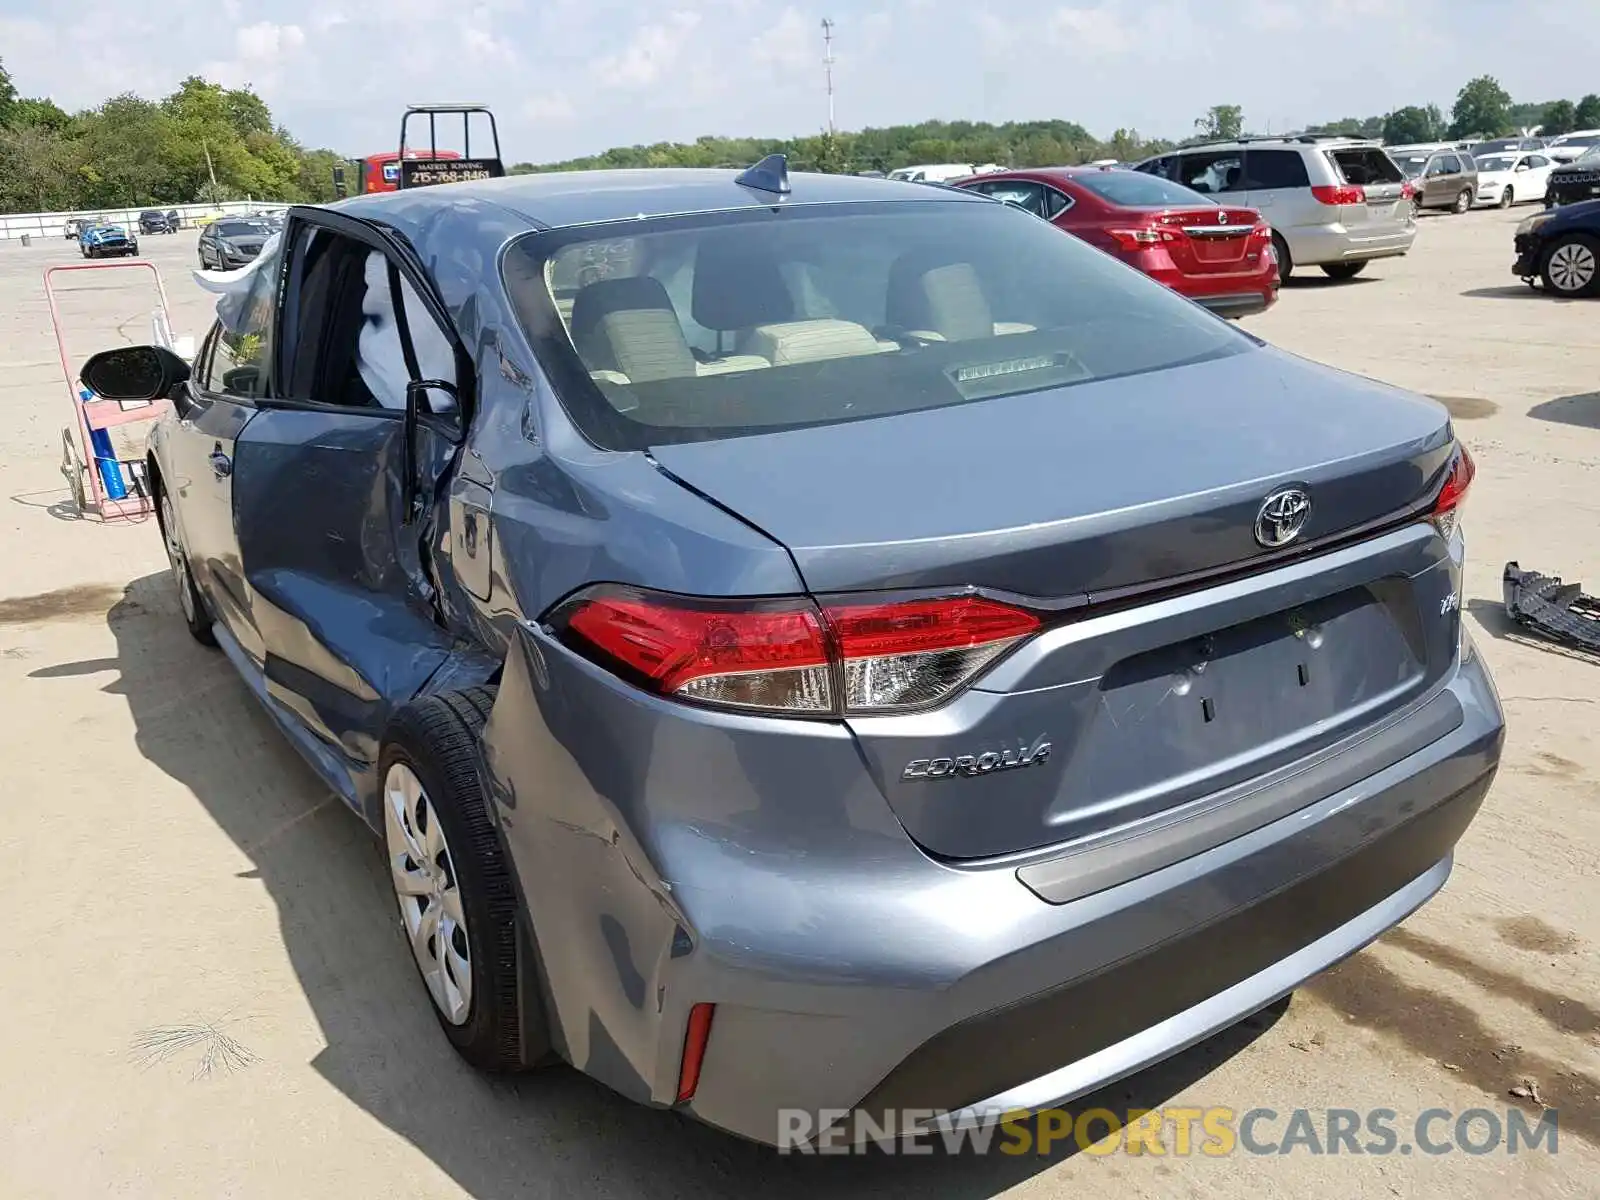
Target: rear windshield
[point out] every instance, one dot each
(1133, 189)
(719, 325)
(1366, 165)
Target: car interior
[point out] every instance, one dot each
(746, 310)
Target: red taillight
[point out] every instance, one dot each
(694, 1049)
(757, 655)
(1448, 505)
(1340, 195)
(917, 652)
(1408, 190)
(1262, 232)
(1140, 239)
(792, 656)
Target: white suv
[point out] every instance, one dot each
(1333, 202)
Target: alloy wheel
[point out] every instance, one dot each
(1572, 267)
(428, 892)
(176, 559)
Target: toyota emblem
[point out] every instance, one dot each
(1283, 515)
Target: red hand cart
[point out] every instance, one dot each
(126, 428)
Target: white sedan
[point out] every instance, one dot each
(1513, 177)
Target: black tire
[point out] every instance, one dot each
(437, 737)
(1285, 259)
(192, 607)
(1507, 198)
(1343, 270)
(1562, 266)
(1463, 201)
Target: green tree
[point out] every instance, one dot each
(1482, 109)
(1560, 116)
(1222, 122)
(8, 94)
(1413, 124)
(40, 114)
(1587, 114)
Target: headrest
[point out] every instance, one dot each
(629, 325)
(737, 284)
(928, 290)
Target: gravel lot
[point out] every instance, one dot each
(205, 994)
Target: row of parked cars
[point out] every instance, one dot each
(1226, 223)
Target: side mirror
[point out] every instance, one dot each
(1522, 166)
(133, 373)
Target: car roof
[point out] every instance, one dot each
(558, 199)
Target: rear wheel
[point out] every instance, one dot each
(1572, 266)
(1507, 198)
(452, 881)
(1343, 270)
(1463, 201)
(1285, 261)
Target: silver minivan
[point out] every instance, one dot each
(1333, 202)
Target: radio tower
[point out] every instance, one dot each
(827, 66)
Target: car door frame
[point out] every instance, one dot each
(337, 684)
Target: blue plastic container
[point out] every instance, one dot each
(105, 458)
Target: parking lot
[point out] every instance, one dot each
(207, 994)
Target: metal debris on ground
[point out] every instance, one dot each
(1558, 611)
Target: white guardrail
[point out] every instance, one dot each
(40, 226)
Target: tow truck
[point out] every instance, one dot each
(411, 166)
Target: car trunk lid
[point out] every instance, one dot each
(1376, 174)
(1213, 239)
(1182, 658)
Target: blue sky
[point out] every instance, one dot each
(568, 77)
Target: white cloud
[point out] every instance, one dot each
(265, 42)
(1093, 31)
(792, 42)
(653, 51)
(553, 108)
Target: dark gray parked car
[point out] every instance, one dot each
(230, 242)
(829, 643)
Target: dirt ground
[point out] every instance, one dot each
(205, 995)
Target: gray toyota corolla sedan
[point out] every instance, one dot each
(816, 643)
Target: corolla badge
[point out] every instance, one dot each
(986, 763)
(1282, 516)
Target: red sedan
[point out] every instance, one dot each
(1218, 255)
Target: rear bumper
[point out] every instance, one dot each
(1239, 304)
(1314, 245)
(670, 857)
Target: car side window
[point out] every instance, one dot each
(1021, 193)
(1212, 173)
(1449, 165)
(1266, 169)
(1055, 203)
(1538, 160)
(362, 333)
(239, 357)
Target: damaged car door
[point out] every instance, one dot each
(213, 406)
(330, 485)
